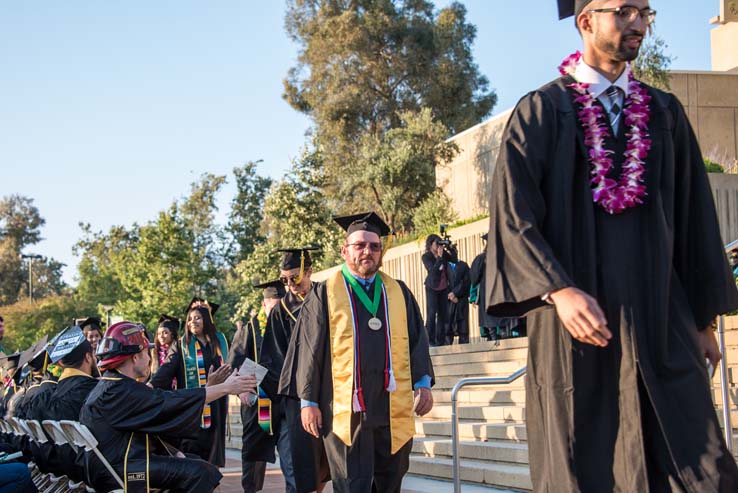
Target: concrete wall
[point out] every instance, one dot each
(710, 100)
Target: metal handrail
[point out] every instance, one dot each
(724, 384)
(727, 424)
(464, 382)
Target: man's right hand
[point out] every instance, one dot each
(239, 384)
(582, 316)
(312, 420)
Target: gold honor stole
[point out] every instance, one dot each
(341, 323)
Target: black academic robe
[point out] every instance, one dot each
(308, 374)
(65, 403)
(38, 402)
(306, 451)
(660, 275)
(458, 313)
(257, 445)
(209, 444)
(122, 413)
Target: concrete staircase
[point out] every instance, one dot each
(493, 443)
(493, 440)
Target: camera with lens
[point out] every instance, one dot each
(450, 252)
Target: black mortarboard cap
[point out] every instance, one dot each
(294, 258)
(272, 289)
(8, 362)
(35, 355)
(366, 221)
(213, 307)
(92, 322)
(567, 8)
(69, 340)
(484, 236)
(171, 323)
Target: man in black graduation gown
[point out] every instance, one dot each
(258, 444)
(458, 299)
(617, 390)
(39, 384)
(360, 332)
(127, 417)
(300, 455)
(73, 352)
(490, 328)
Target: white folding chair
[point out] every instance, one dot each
(37, 432)
(83, 437)
(54, 430)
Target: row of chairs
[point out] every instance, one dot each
(71, 433)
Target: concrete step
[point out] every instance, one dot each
(469, 430)
(492, 450)
(477, 347)
(496, 395)
(479, 413)
(510, 476)
(515, 354)
(478, 369)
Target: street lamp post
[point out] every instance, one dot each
(30, 259)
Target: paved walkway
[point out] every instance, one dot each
(274, 482)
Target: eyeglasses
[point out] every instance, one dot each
(294, 278)
(629, 13)
(360, 246)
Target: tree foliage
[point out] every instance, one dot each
(244, 220)
(652, 64)
(296, 214)
(155, 268)
(363, 63)
(20, 227)
(394, 172)
(434, 210)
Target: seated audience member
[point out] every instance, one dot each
(127, 417)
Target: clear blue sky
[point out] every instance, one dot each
(108, 110)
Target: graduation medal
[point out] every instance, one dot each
(613, 196)
(372, 306)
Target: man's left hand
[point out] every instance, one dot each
(246, 398)
(452, 298)
(425, 401)
(708, 346)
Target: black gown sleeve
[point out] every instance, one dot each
(521, 265)
(135, 407)
(699, 258)
(273, 349)
(171, 369)
(303, 371)
(462, 282)
(420, 360)
(477, 270)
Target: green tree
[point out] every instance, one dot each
(157, 267)
(296, 214)
(246, 215)
(20, 220)
(652, 64)
(362, 63)
(394, 172)
(20, 227)
(434, 210)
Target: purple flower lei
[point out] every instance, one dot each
(614, 197)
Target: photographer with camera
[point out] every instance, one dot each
(435, 259)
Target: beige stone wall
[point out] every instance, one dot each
(710, 100)
(724, 42)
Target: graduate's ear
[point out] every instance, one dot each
(584, 23)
